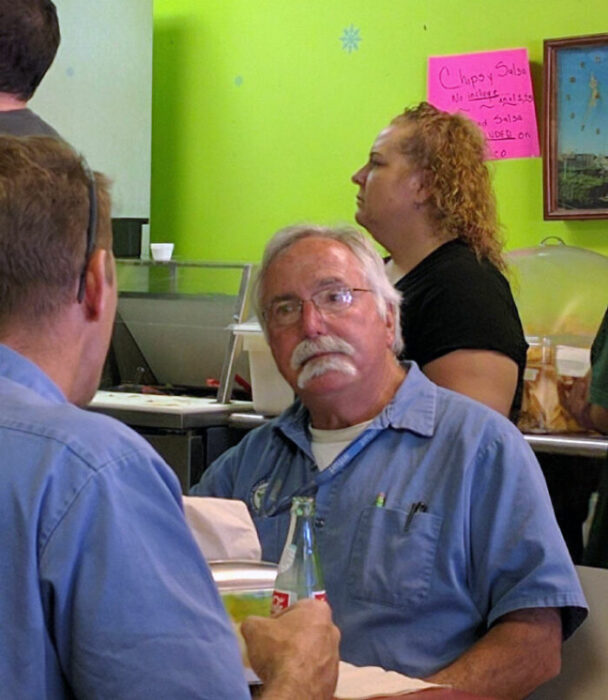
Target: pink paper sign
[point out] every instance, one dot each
(494, 89)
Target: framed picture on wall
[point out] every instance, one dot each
(575, 139)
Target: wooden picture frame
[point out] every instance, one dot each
(575, 119)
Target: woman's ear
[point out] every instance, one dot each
(421, 187)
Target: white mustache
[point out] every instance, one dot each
(324, 344)
(323, 364)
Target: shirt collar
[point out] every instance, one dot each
(17, 368)
(414, 406)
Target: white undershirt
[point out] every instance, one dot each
(393, 271)
(326, 445)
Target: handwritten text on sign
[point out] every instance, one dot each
(494, 89)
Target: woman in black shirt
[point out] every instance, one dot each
(425, 195)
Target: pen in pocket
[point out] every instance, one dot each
(380, 500)
(418, 507)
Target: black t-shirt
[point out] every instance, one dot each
(452, 301)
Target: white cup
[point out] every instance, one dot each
(161, 251)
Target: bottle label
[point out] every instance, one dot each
(281, 600)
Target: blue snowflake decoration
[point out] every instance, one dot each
(350, 39)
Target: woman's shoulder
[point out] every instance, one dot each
(454, 268)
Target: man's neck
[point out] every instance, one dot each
(56, 349)
(9, 102)
(354, 405)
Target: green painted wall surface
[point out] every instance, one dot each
(260, 114)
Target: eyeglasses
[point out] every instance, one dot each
(91, 231)
(329, 302)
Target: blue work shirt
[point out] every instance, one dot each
(413, 592)
(105, 594)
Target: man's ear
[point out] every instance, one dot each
(97, 286)
(389, 322)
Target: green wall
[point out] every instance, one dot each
(260, 115)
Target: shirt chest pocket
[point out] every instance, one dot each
(392, 563)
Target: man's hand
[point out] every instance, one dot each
(590, 415)
(295, 653)
(576, 400)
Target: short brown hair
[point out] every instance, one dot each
(44, 213)
(451, 150)
(29, 39)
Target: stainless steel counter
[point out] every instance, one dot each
(169, 412)
(237, 419)
(581, 445)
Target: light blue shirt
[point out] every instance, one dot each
(104, 593)
(413, 593)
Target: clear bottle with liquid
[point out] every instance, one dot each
(299, 572)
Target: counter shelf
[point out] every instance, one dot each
(579, 445)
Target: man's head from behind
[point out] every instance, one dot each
(29, 39)
(45, 190)
(330, 314)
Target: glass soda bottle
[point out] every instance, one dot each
(299, 572)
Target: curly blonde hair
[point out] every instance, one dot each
(451, 150)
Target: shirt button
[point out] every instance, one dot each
(319, 522)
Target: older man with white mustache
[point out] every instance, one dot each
(440, 550)
(332, 322)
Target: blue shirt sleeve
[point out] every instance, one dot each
(512, 529)
(131, 601)
(216, 481)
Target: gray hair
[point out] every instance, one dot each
(372, 266)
